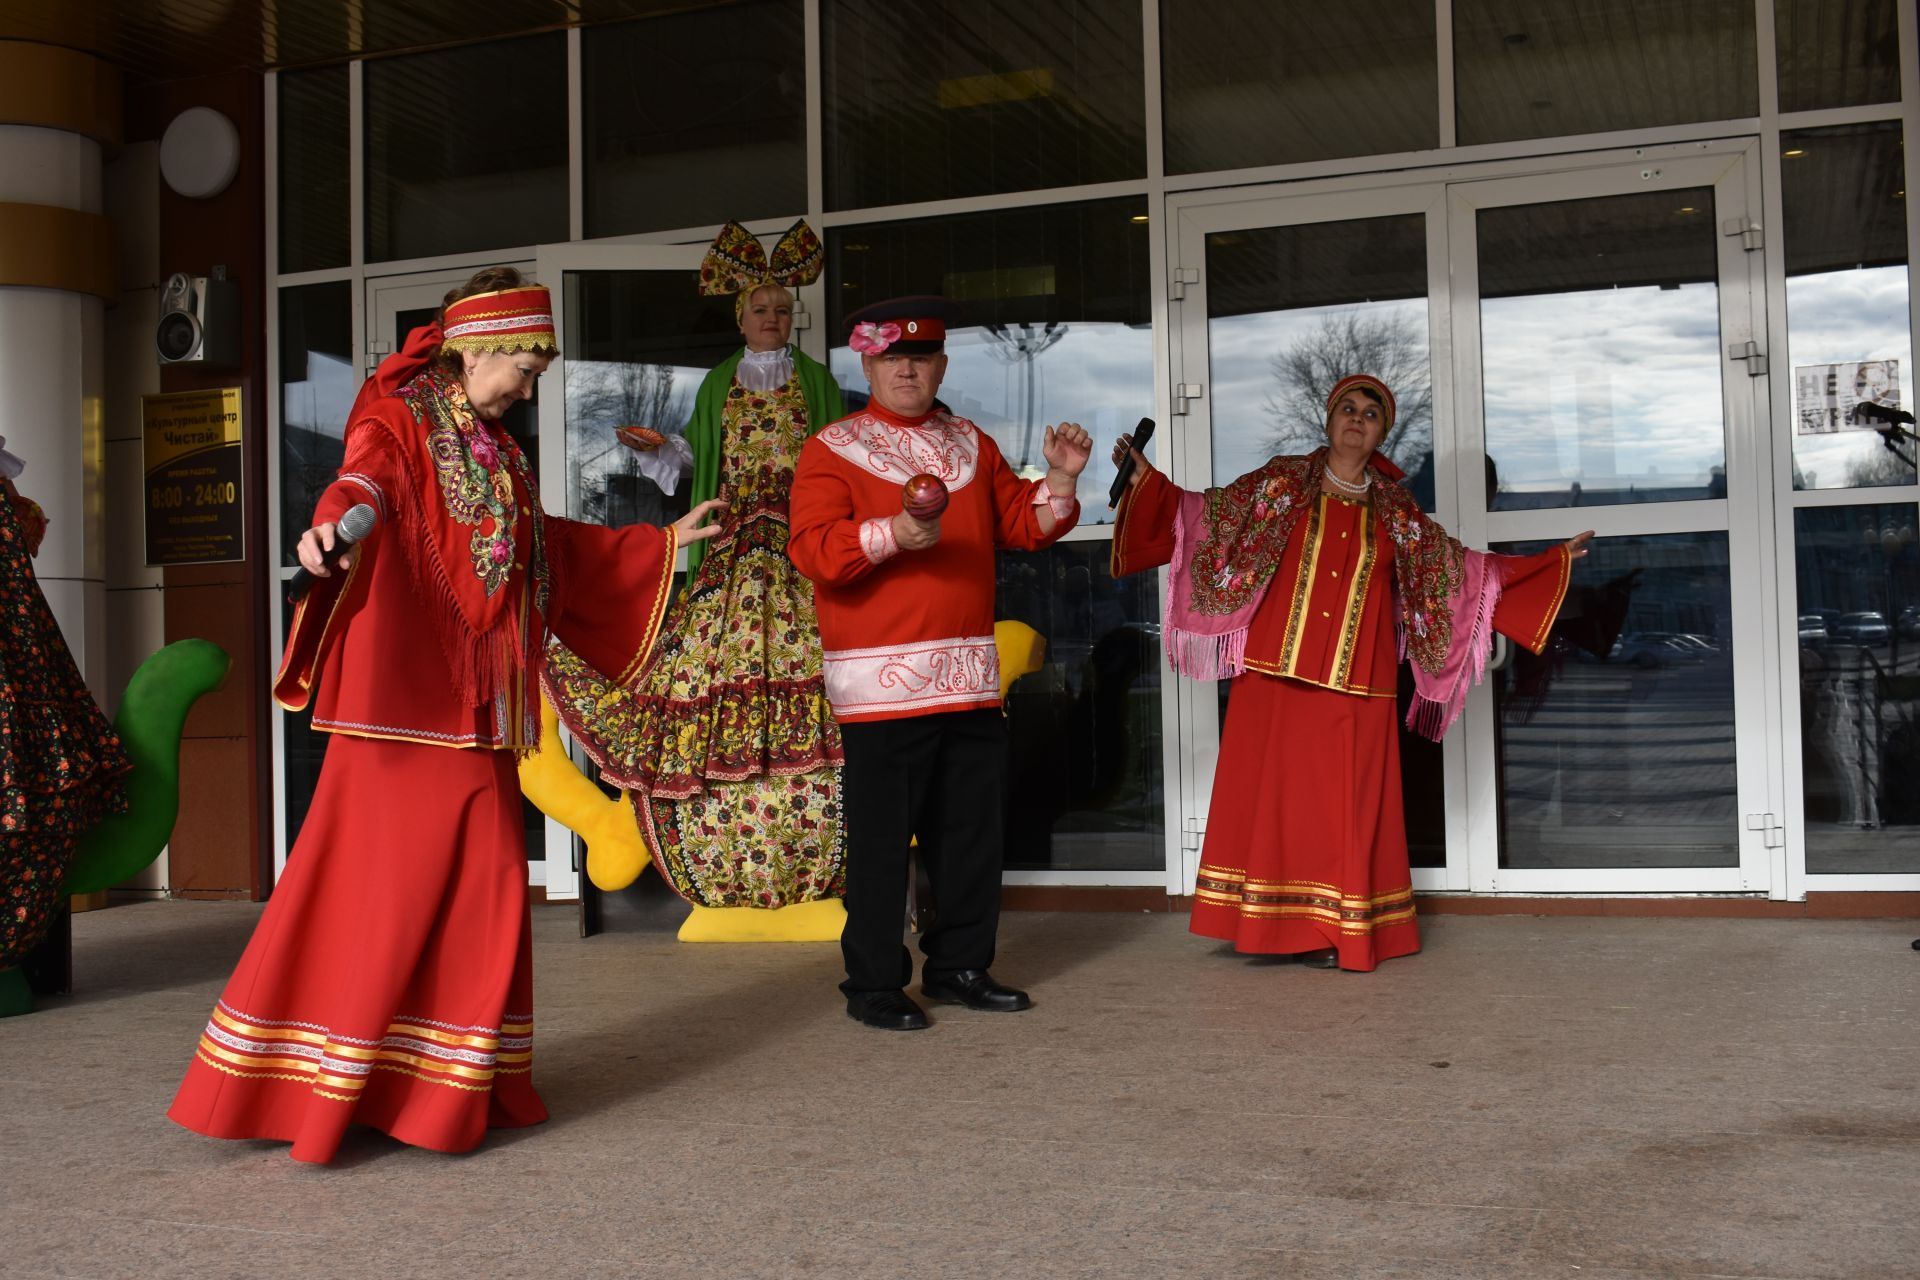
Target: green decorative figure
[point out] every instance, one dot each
(153, 712)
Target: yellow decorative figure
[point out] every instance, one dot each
(549, 778)
(1021, 649)
(616, 855)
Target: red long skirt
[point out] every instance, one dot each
(390, 981)
(1306, 842)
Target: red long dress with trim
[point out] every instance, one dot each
(724, 741)
(389, 982)
(1306, 843)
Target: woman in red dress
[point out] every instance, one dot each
(1305, 581)
(389, 982)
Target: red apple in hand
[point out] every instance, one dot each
(924, 497)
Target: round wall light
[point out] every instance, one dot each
(199, 153)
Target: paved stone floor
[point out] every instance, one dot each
(1590, 1098)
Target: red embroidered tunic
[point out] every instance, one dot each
(377, 679)
(909, 633)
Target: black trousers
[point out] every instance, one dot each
(942, 778)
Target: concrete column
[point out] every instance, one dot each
(56, 271)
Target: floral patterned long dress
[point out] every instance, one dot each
(62, 767)
(725, 740)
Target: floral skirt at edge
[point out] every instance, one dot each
(62, 766)
(725, 741)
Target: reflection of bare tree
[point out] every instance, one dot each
(602, 395)
(1880, 467)
(1385, 343)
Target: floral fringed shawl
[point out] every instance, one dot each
(1228, 543)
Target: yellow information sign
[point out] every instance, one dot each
(193, 462)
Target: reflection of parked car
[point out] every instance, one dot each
(1654, 649)
(1863, 628)
(1813, 631)
(1909, 621)
(1698, 644)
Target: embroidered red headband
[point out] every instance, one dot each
(1362, 380)
(518, 319)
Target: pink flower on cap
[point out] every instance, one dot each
(870, 339)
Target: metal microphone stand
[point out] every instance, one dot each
(1898, 430)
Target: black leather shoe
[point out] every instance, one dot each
(974, 988)
(887, 1010)
(1326, 958)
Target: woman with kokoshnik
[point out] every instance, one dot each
(1294, 580)
(389, 982)
(725, 742)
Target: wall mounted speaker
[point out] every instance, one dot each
(199, 320)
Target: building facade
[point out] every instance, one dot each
(1635, 267)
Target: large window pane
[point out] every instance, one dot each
(1837, 54)
(1600, 351)
(697, 139)
(1848, 331)
(467, 148)
(936, 99)
(1253, 82)
(1057, 326)
(314, 215)
(1625, 758)
(1085, 790)
(638, 345)
(1291, 311)
(318, 382)
(1538, 69)
(1859, 576)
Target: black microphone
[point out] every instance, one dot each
(1141, 434)
(1885, 413)
(354, 525)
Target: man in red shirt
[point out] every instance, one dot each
(906, 621)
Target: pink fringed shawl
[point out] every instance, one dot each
(1228, 543)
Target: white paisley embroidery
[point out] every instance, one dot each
(943, 446)
(926, 675)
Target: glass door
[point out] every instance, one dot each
(1570, 350)
(1609, 342)
(1277, 300)
(636, 339)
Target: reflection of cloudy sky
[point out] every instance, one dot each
(1241, 378)
(1610, 388)
(1605, 387)
(1840, 317)
(1099, 375)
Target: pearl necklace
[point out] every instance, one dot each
(1366, 481)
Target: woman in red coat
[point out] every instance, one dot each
(389, 982)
